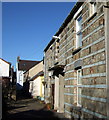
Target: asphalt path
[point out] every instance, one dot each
(31, 109)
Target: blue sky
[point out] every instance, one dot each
(29, 26)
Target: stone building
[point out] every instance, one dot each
(76, 63)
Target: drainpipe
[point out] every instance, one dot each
(106, 13)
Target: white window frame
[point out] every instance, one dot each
(93, 8)
(79, 75)
(79, 32)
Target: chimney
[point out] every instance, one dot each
(18, 58)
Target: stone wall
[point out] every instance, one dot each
(92, 53)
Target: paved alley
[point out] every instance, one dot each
(31, 109)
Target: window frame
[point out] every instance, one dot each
(79, 31)
(92, 8)
(79, 76)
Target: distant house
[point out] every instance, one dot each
(21, 67)
(35, 77)
(5, 72)
(4, 68)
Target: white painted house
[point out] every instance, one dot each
(21, 67)
(4, 68)
(5, 72)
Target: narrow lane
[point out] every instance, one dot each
(31, 109)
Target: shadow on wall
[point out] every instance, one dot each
(23, 91)
(18, 86)
(76, 110)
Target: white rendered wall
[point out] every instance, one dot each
(56, 104)
(4, 68)
(35, 87)
(20, 77)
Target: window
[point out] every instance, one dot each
(79, 87)
(93, 8)
(78, 32)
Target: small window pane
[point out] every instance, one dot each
(79, 24)
(93, 8)
(79, 96)
(79, 77)
(78, 32)
(79, 40)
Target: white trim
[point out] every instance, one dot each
(70, 79)
(85, 13)
(65, 59)
(69, 104)
(67, 31)
(70, 94)
(84, 5)
(89, 97)
(95, 42)
(93, 113)
(60, 49)
(87, 86)
(95, 64)
(66, 51)
(85, 48)
(68, 36)
(99, 51)
(94, 98)
(94, 75)
(95, 30)
(76, 14)
(68, 112)
(79, 76)
(75, 115)
(92, 22)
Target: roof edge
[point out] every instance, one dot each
(5, 61)
(41, 73)
(33, 66)
(66, 21)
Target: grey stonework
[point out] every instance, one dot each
(61, 55)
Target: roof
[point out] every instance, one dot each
(31, 67)
(69, 17)
(67, 20)
(5, 61)
(37, 75)
(26, 64)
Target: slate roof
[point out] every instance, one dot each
(26, 64)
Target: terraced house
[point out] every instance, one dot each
(76, 63)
